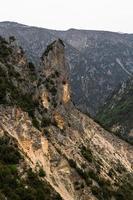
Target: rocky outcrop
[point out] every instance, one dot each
(81, 160)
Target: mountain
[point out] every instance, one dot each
(117, 114)
(49, 149)
(99, 60)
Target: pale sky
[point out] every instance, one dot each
(112, 15)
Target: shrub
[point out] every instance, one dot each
(46, 121)
(72, 163)
(8, 154)
(97, 192)
(42, 173)
(83, 174)
(31, 66)
(53, 91)
(87, 154)
(12, 39)
(57, 73)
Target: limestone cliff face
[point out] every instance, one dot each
(55, 68)
(82, 161)
(53, 90)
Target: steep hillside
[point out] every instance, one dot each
(18, 180)
(57, 152)
(99, 60)
(117, 114)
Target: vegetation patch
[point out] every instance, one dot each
(87, 154)
(12, 185)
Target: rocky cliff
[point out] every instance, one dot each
(63, 148)
(99, 61)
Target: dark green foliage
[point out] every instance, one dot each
(111, 173)
(125, 190)
(10, 93)
(3, 41)
(96, 191)
(57, 73)
(46, 132)
(104, 191)
(117, 114)
(61, 42)
(5, 49)
(63, 82)
(120, 168)
(72, 163)
(12, 186)
(31, 66)
(42, 173)
(54, 103)
(42, 190)
(46, 121)
(11, 72)
(32, 71)
(8, 153)
(53, 91)
(3, 85)
(78, 185)
(86, 152)
(50, 85)
(12, 39)
(83, 174)
(49, 48)
(25, 102)
(53, 76)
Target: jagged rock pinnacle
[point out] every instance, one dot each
(54, 57)
(54, 87)
(56, 46)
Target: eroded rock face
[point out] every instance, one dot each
(55, 71)
(81, 159)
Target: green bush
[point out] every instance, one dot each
(72, 163)
(46, 121)
(125, 190)
(86, 152)
(96, 191)
(53, 91)
(42, 173)
(13, 187)
(8, 153)
(5, 50)
(57, 73)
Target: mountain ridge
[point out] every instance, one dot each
(92, 57)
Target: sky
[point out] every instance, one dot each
(111, 15)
